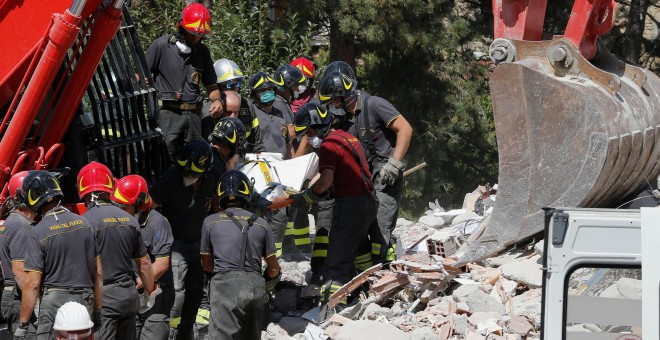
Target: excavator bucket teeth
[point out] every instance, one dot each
(573, 136)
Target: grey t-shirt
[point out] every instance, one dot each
(284, 107)
(63, 249)
(118, 240)
(381, 114)
(221, 238)
(157, 236)
(273, 131)
(13, 241)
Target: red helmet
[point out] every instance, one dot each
(305, 65)
(196, 19)
(132, 190)
(15, 184)
(94, 177)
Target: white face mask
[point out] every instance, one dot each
(302, 88)
(183, 48)
(316, 142)
(188, 181)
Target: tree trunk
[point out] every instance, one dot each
(635, 29)
(342, 45)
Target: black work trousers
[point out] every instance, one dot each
(52, 299)
(120, 308)
(179, 127)
(351, 222)
(237, 305)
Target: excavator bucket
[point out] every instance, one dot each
(570, 132)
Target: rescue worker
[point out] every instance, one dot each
(385, 135)
(72, 322)
(343, 167)
(61, 258)
(288, 79)
(186, 194)
(234, 243)
(120, 246)
(228, 141)
(230, 79)
(131, 194)
(13, 241)
(180, 63)
(276, 137)
(307, 91)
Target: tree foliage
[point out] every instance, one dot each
(242, 31)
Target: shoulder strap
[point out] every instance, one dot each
(361, 163)
(244, 228)
(369, 138)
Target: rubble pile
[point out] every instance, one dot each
(422, 296)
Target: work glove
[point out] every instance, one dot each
(97, 318)
(391, 171)
(21, 332)
(271, 283)
(307, 197)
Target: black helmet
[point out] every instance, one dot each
(341, 66)
(230, 132)
(288, 76)
(336, 84)
(315, 116)
(234, 185)
(194, 158)
(40, 187)
(261, 80)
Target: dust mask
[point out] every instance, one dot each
(183, 48)
(316, 142)
(188, 181)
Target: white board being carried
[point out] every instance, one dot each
(267, 167)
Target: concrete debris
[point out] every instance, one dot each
(422, 296)
(527, 272)
(366, 329)
(433, 221)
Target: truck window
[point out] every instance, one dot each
(603, 303)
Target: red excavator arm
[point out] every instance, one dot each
(59, 57)
(576, 126)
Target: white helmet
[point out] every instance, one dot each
(227, 72)
(72, 316)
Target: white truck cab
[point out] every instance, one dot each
(593, 264)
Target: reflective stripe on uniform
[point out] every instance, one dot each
(174, 322)
(363, 262)
(322, 239)
(375, 248)
(302, 241)
(255, 122)
(320, 253)
(391, 253)
(203, 316)
(278, 248)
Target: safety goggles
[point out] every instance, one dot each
(231, 86)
